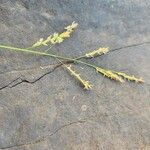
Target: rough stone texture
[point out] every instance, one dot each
(42, 109)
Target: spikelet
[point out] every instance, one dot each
(130, 78)
(109, 74)
(71, 27)
(100, 51)
(85, 83)
(57, 37)
(66, 34)
(48, 40)
(38, 43)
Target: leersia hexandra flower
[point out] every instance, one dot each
(38, 43)
(71, 27)
(57, 37)
(83, 82)
(109, 74)
(98, 52)
(130, 78)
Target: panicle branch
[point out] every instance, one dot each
(83, 82)
(57, 37)
(98, 52)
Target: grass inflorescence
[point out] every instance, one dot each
(57, 38)
(98, 52)
(83, 82)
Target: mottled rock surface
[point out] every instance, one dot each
(46, 109)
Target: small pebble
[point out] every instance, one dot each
(83, 107)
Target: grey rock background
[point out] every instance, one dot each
(42, 109)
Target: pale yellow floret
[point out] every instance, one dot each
(85, 83)
(130, 78)
(48, 40)
(109, 74)
(57, 37)
(98, 52)
(38, 43)
(71, 27)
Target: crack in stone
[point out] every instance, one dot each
(20, 80)
(128, 46)
(7, 85)
(90, 118)
(44, 137)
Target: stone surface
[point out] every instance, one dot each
(44, 109)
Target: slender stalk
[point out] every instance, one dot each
(29, 47)
(46, 54)
(34, 52)
(80, 57)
